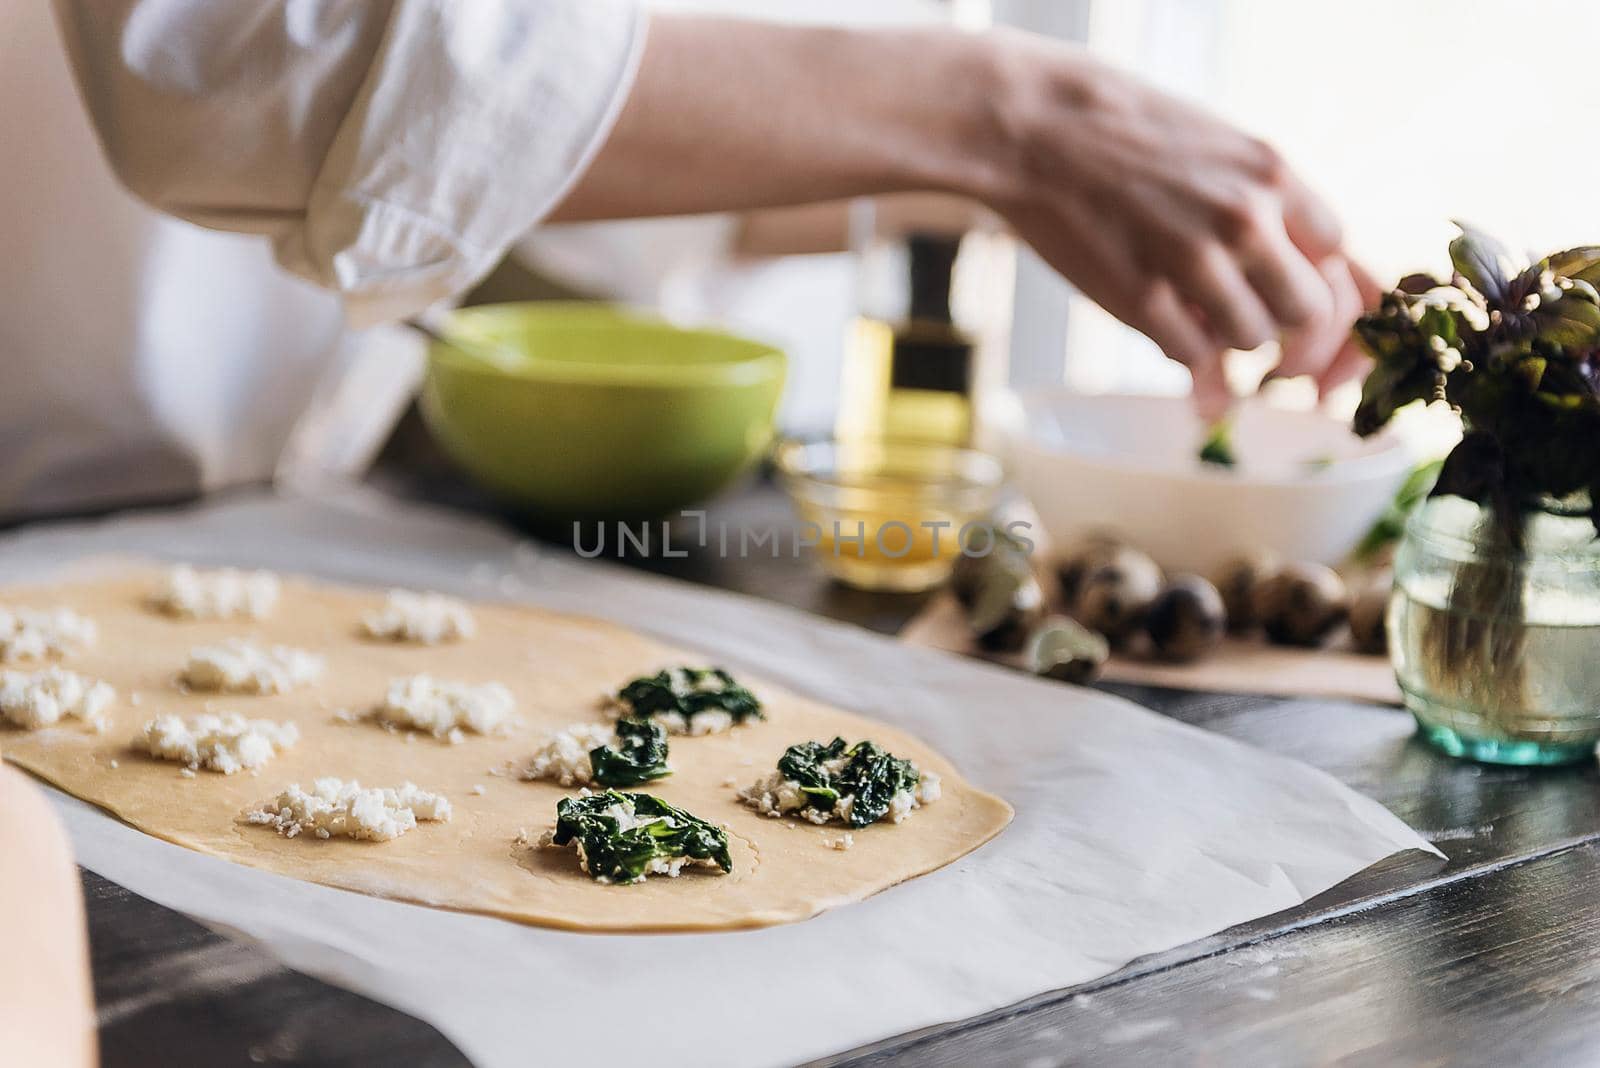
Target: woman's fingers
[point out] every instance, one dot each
(1361, 295)
(1310, 349)
(1310, 224)
(1213, 280)
(1165, 319)
(1292, 287)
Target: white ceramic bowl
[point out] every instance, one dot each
(1305, 489)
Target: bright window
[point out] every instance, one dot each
(1403, 115)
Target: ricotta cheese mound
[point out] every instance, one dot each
(424, 618)
(564, 755)
(227, 743)
(41, 699)
(711, 721)
(445, 709)
(32, 634)
(334, 808)
(224, 593)
(238, 666)
(777, 796)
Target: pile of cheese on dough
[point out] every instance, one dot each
(425, 618)
(226, 593)
(30, 634)
(445, 709)
(685, 700)
(777, 795)
(227, 744)
(337, 808)
(237, 666)
(42, 698)
(564, 756)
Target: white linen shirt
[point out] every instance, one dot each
(390, 149)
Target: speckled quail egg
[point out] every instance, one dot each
(1187, 619)
(1086, 554)
(1116, 592)
(1237, 583)
(1303, 604)
(1008, 604)
(999, 550)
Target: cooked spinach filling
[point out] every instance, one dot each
(865, 771)
(1217, 449)
(624, 837)
(639, 755)
(689, 692)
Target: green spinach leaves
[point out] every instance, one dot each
(865, 773)
(620, 836)
(639, 756)
(689, 692)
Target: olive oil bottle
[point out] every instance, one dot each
(910, 366)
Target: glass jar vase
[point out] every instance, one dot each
(1494, 630)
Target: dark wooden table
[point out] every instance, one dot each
(1491, 958)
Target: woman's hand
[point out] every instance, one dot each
(1180, 225)
(1185, 228)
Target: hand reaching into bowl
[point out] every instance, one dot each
(1182, 226)
(1187, 229)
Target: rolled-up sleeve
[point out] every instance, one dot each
(391, 149)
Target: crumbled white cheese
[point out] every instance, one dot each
(237, 666)
(710, 721)
(226, 593)
(777, 796)
(564, 755)
(335, 808)
(843, 842)
(478, 790)
(33, 634)
(33, 700)
(427, 618)
(445, 709)
(226, 744)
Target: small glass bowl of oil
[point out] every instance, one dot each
(887, 515)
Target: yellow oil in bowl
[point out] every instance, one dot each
(887, 515)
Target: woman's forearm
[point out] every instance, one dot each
(1175, 222)
(728, 115)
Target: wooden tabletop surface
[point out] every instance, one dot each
(1490, 958)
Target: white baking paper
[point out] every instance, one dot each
(1134, 833)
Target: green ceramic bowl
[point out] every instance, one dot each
(605, 414)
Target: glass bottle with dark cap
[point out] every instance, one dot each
(912, 365)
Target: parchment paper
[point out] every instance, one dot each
(1134, 834)
(1240, 665)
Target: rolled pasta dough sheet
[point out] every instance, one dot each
(557, 666)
